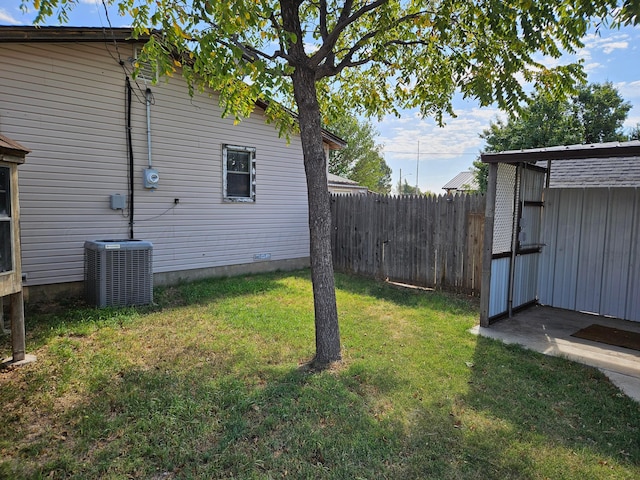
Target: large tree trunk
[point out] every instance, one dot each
(324, 295)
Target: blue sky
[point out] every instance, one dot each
(418, 147)
(612, 56)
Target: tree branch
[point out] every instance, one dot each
(344, 20)
(328, 69)
(289, 10)
(331, 70)
(322, 8)
(323, 54)
(324, 32)
(278, 27)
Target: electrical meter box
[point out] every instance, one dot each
(150, 177)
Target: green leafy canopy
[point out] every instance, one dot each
(595, 114)
(361, 160)
(378, 56)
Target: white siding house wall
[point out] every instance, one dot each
(66, 102)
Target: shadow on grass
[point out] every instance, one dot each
(159, 424)
(407, 297)
(210, 422)
(554, 404)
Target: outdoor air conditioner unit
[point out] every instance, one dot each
(118, 272)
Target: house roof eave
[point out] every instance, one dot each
(31, 34)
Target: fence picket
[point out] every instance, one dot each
(421, 240)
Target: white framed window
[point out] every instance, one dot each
(6, 240)
(239, 173)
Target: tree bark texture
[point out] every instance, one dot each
(324, 296)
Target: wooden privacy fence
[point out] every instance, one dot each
(419, 240)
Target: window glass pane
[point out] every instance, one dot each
(5, 194)
(5, 246)
(238, 161)
(238, 185)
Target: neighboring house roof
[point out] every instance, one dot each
(340, 180)
(30, 34)
(463, 182)
(339, 184)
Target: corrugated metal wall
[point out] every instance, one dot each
(525, 279)
(499, 286)
(529, 229)
(592, 258)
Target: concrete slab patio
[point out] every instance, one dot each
(548, 330)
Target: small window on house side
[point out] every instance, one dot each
(239, 170)
(6, 261)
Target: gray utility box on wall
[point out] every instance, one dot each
(118, 272)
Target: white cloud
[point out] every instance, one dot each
(632, 122)
(310, 48)
(611, 46)
(628, 90)
(444, 152)
(547, 61)
(7, 18)
(592, 67)
(605, 44)
(457, 137)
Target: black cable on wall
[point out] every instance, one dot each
(130, 155)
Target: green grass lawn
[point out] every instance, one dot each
(209, 384)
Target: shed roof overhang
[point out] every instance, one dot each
(566, 152)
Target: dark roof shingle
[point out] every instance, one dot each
(595, 172)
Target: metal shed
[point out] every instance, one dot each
(562, 228)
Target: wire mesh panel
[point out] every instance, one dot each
(118, 272)
(503, 219)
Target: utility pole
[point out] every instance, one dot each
(417, 165)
